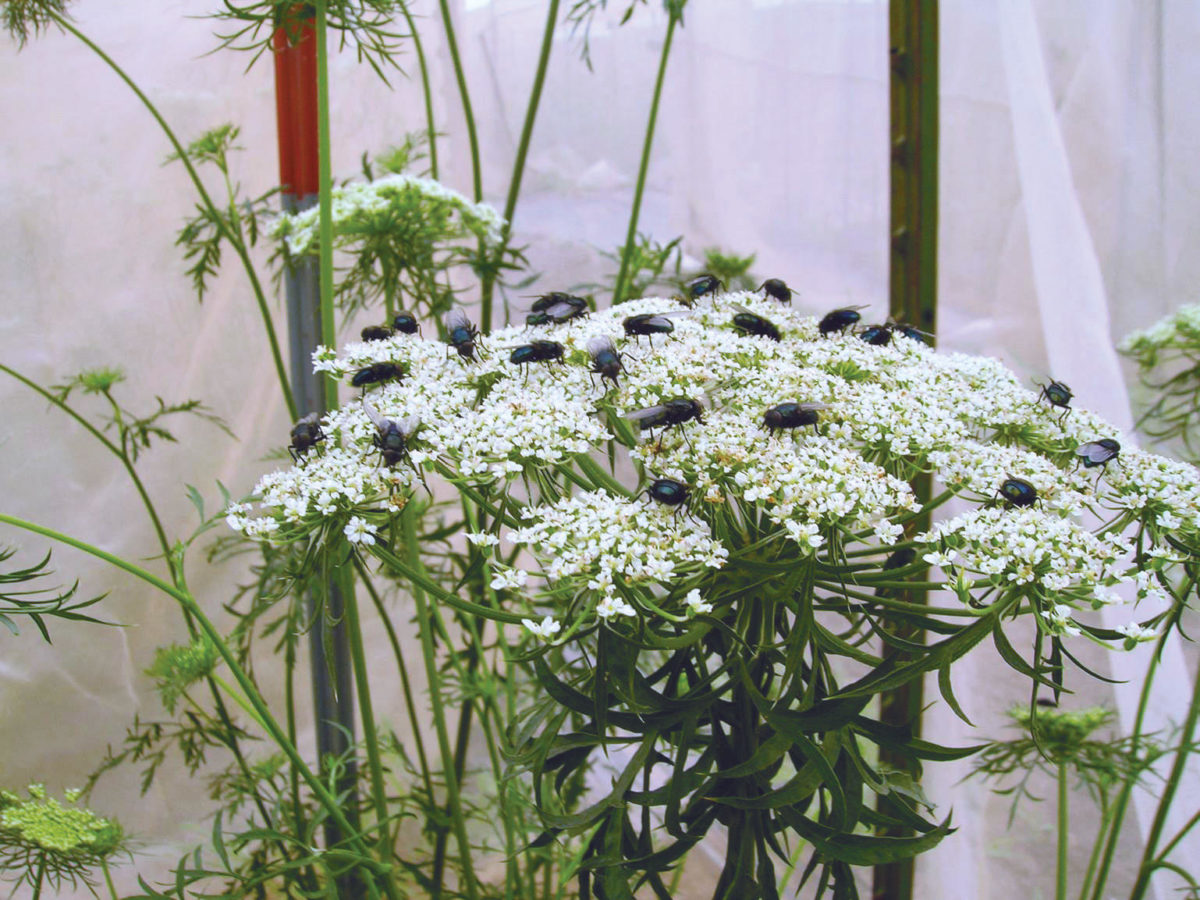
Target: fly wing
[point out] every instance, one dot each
(813, 407)
(456, 318)
(599, 344)
(1094, 452)
(649, 412)
(311, 419)
(408, 425)
(562, 310)
(377, 420)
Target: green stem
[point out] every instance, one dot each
(514, 184)
(362, 683)
(325, 266)
(1168, 794)
(425, 625)
(116, 451)
(1188, 826)
(249, 691)
(41, 873)
(215, 215)
(405, 682)
(1060, 889)
(631, 235)
(468, 114)
(425, 89)
(1097, 845)
(1121, 804)
(112, 888)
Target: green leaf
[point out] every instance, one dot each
(863, 850)
(947, 692)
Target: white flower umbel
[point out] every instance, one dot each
(1028, 548)
(535, 435)
(605, 542)
(358, 206)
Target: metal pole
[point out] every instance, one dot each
(913, 40)
(295, 59)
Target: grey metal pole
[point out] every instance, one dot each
(328, 642)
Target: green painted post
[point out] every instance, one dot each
(913, 46)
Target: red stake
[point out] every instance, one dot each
(296, 105)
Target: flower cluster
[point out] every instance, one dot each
(390, 202)
(876, 415)
(608, 544)
(63, 842)
(1181, 330)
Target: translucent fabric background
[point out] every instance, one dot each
(1069, 217)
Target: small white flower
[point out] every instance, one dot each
(696, 602)
(358, 532)
(545, 629)
(1136, 634)
(507, 579)
(938, 558)
(614, 606)
(484, 539)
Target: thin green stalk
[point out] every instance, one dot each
(425, 89)
(1097, 846)
(631, 235)
(425, 625)
(41, 873)
(405, 682)
(362, 683)
(514, 184)
(112, 888)
(1150, 851)
(234, 240)
(325, 265)
(249, 691)
(159, 531)
(1182, 833)
(1064, 833)
(465, 96)
(1122, 802)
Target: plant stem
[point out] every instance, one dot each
(217, 218)
(325, 265)
(514, 184)
(631, 235)
(425, 89)
(362, 683)
(1167, 796)
(468, 114)
(116, 451)
(425, 625)
(249, 691)
(1122, 802)
(112, 888)
(405, 681)
(1060, 888)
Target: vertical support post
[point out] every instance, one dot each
(913, 46)
(295, 57)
